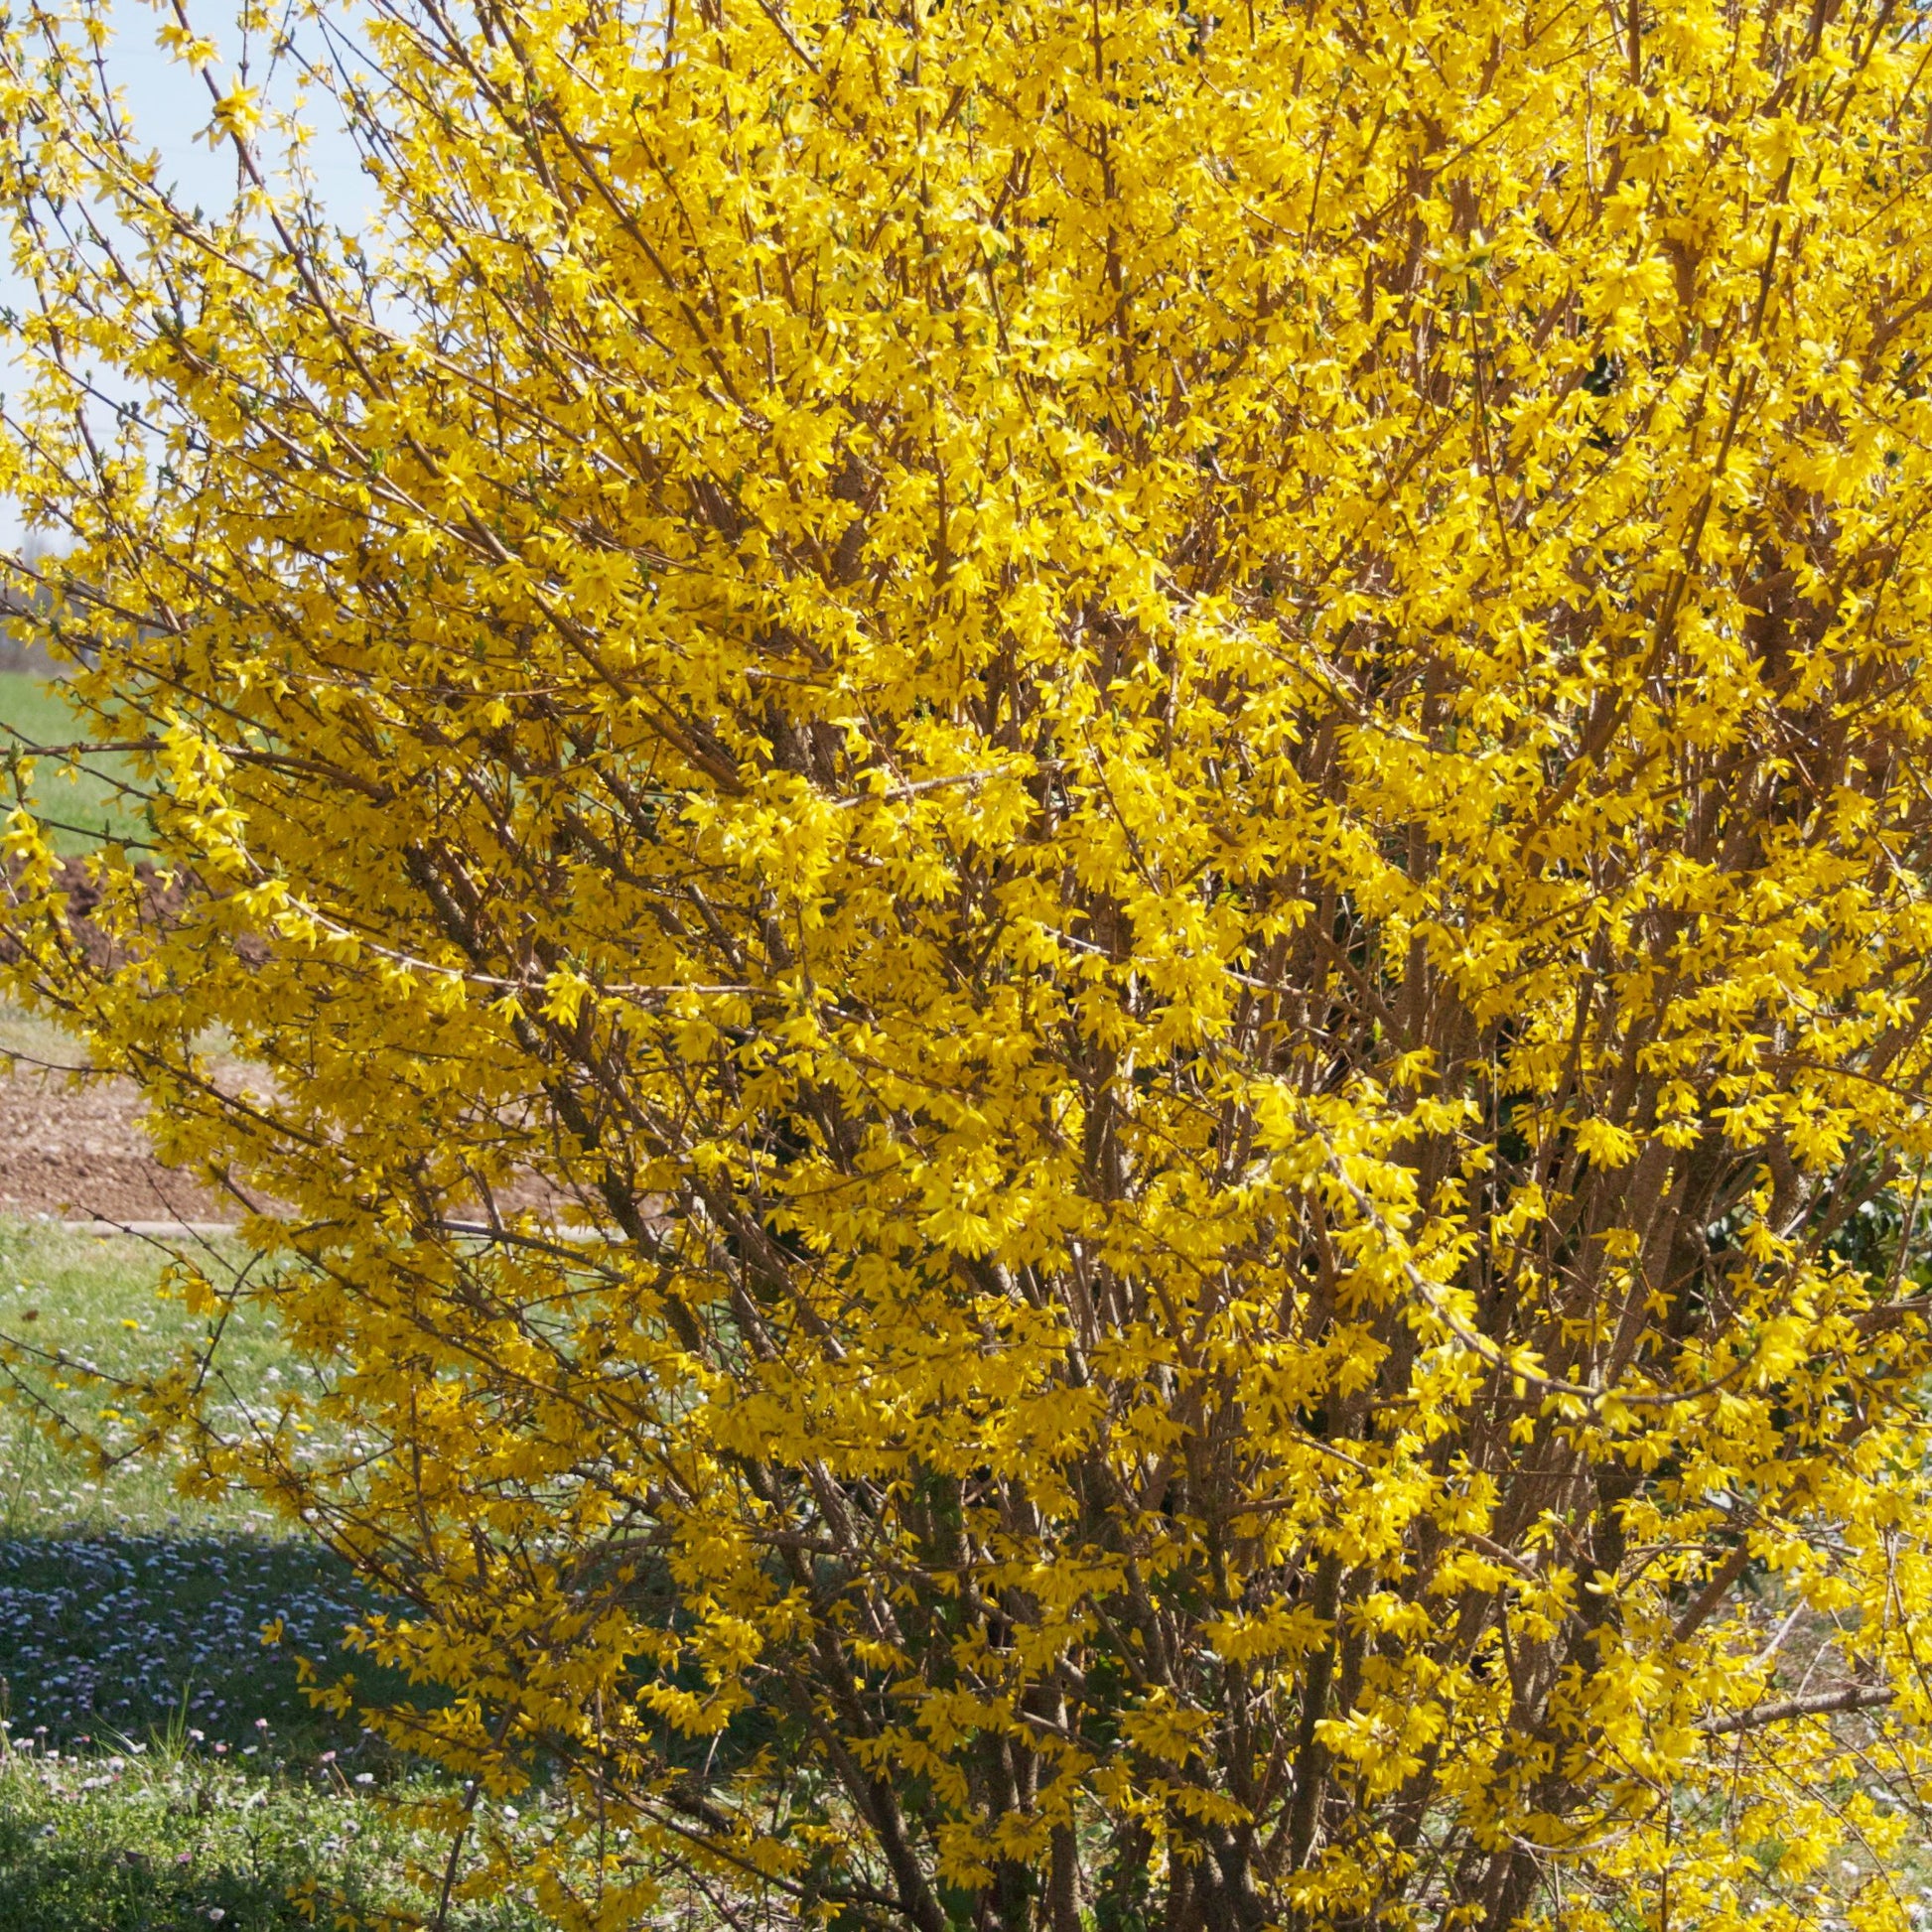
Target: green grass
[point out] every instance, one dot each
(138, 1589)
(83, 803)
(120, 1598)
(159, 1764)
(159, 1838)
(95, 1300)
(38, 1041)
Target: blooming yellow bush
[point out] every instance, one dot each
(1081, 856)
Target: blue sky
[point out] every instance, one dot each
(169, 106)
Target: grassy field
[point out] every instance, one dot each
(120, 1600)
(143, 1838)
(83, 806)
(158, 1767)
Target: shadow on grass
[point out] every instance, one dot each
(166, 1772)
(107, 1635)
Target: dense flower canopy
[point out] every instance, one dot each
(1079, 855)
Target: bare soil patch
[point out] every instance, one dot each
(77, 1153)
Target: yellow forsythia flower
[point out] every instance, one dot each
(1074, 860)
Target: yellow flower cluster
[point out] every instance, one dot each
(1080, 855)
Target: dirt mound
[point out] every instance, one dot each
(161, 903)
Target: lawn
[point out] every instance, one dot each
(147, 1837)
(82, 801)
(159, 1766)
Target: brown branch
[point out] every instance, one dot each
(1855, 1696)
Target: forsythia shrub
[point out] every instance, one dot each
(1079, 859)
